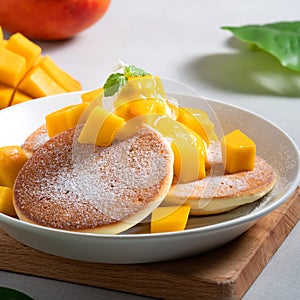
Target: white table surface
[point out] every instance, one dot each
(182, 40)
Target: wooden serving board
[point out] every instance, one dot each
(224, 273)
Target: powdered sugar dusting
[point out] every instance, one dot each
(36, 139)
(219, 185)
(68, 185)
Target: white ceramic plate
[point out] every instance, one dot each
(202, 234)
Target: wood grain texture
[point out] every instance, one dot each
(224, 273)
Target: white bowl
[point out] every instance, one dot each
(202, 234)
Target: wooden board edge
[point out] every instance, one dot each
(81, 272)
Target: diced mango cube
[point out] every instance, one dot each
(6, 93)
(57, 122)
(147, 106)
(140, 88)
(238, 152)
(189, 149)
(58, 75)
(25, 74)
(12, 159)
(169, 218)
(12, 67)
(142, 107)
(94, 98)
(65, 118)
(101, 127)
(150, 106)
(198, 121)
(124, 112)
(19, 97)
(6, 201)
(181, 151)
(142, 96)
(90, 96)
(77, 114)
(19, 44)
(37, 83)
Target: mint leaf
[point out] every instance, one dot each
(117, 80)
(113, 84)
(133, 71)
(281, 39)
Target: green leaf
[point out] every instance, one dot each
(11, 294)
(117, 80)
(113, 84)
(281, 39)
(133, 71)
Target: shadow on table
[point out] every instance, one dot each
(246, 71)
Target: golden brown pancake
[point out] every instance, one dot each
(219, 192)
(215, 194)
(35, 140)
(81, 187)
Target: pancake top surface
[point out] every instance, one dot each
(36, 139)
(229, 186)
(72, 186)
(219, 191)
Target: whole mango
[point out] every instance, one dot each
(50, 19)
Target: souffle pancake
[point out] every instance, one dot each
(217, 193)
(35, 140)
(83, 187)
(220, 192)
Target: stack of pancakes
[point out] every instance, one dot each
(80, 187)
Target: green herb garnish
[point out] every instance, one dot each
(113, 84)
(281, 39)
(117, 80)
(133, 71)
